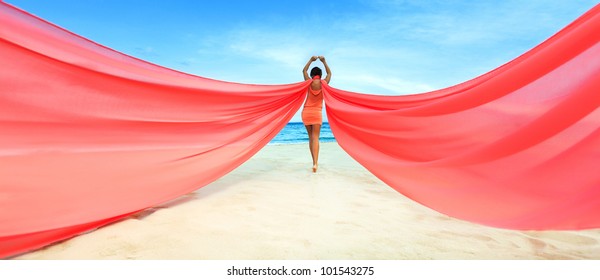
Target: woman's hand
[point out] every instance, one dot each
(322, 58)
(313, 58)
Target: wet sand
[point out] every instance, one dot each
(274, 207)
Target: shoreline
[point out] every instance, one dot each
(274, 207)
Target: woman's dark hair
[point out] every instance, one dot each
(316, 71)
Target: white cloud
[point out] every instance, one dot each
(384, 84)
(402, 47)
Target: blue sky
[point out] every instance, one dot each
(381, 47)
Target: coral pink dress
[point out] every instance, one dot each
(313, 107)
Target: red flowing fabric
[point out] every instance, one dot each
(517, 148)
(89, 136)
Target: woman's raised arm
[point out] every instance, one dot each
(327, 70)
(305, 70)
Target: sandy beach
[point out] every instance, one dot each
(274, 207)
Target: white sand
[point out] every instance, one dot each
(273, 207)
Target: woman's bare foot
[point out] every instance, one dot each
(315, 168)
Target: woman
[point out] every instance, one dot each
(312, 115)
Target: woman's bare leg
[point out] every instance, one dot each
(309, 130)
(316, 131)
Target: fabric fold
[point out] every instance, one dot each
(514, 148)
(89, 135)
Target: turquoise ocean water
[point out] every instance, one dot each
(295, 132)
